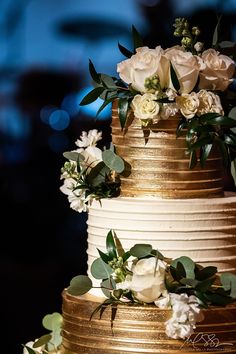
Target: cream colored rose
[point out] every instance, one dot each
(148, 280)
(188, 104)
(186, 66)
(218, 72)
(209, 103)
(145, 107)
(142, 65)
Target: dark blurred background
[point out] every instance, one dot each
(45, 46)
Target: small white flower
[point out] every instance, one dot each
(163, 302)
(171, 94)
(168, 110)
(89, 139)
(145, 106)
(198, 46)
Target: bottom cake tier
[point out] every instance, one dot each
(140, 329)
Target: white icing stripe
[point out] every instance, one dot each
(203, 229)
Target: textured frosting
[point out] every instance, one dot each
(141, 329)
(158, 162)
(203, 229)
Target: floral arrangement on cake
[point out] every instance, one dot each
(142, 275)
(187, 79)
(90, 173)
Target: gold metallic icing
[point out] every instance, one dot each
(158, 162)
(141, 329)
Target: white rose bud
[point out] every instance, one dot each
(198, 46)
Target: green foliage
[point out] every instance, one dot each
(100, 270)
(228, 281)
(141, 250)
(113, 161)
(80, 285)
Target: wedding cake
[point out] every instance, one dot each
(161, 228)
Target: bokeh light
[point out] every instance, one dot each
(92, 108)
(59, 119)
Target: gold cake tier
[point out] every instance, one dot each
(141, 329)
(158, 162)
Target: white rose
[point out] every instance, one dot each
(145, 107)
(209, 102)
(218, 72)
(186, 66)
(89, 139)
(142, 65)
(188, 104)
(168, 110)
(148, 280)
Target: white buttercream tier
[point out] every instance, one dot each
(203, 229)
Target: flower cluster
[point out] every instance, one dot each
(90, 172)
(187, 81)
(142, 275)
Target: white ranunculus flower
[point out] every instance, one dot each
(188, 104)
(176, 330)
(218, 71)
(186, 66)
(89, 139)
(142, 65)
(145, 107)
(209, 102)
(148, 280)
(163, 302)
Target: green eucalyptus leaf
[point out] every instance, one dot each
(141, 250)
(95, 76)
(100, 270)
(181, 273)
(92, 96)
(123, 107)
(80, 285)
(73, 156)
(206, 272)
(111, 245)
(42, 341)
(188, 264)
(174, 78)
(228, 280)
(137, 39)
(126, 52)
(113, 161)
(107, 286)
(52, 321)
(232, 113)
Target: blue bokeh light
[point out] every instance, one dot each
(46, 112)
(59, 119)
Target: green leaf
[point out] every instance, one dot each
(181, 126)
(205, 285)
(190, 282)
(97, 174)
(52, 321)
(113, 161)
(188, 264)
(222, 120)
(230, 139)
(73, 156)
(157, 254)
(106, 285)
(92, 96)
(126, 256)
(228, 280)
(205, 151)
(218, 299)
(216, 33)
(206, 272)
(201, 142)
(123, 107)
(100, 270)
(137, 39)
(223, 150)
(80, 285)
(141, 250)
(233, 170)
(105, 103)
(110, 245)
(174, 78)
(193, 159)
(108, 81)
(126, 52)
(95, 76)
(42, 341)
(232, 113)
(104, 256)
